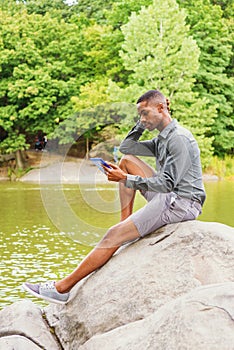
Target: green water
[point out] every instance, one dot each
(46, 231)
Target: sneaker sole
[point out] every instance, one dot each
(37, 295)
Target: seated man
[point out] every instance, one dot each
(174, 193)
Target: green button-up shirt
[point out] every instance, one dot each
(177, 161)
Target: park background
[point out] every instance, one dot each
(73, 72)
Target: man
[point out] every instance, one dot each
(175, 192)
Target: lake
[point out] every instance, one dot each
(45, 231)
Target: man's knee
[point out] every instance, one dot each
(126, 160)
(112, 238)
(133, 165)
(124, 231)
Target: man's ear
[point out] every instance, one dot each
(160, 107)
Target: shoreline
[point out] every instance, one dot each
(47, 168)
(69, 173)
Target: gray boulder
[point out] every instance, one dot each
(17, 342)
(148, 282)
(22, 327)
(202, 319)
(104, 149)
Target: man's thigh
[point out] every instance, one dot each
(150, 217)
(163, 209)
(136, 166)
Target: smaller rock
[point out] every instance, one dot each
(16, 342)
(104, 149)
(22, 323)
(210, 177)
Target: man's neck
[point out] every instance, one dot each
(167, 120)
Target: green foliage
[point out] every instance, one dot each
(164, 56)
(17, 173)
(41, 7)
(89, 121)
(122, 10)
(13, 142)
(214, 82)
(87, 98)
(160, 56)
(101, 52)
(40, 62)
(222, 167)
(227, 7)
(94, 9)
(61, 65)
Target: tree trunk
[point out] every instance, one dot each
(87, 148)
(20, 159)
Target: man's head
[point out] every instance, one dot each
(153, 109)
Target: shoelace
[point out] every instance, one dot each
(48, 285)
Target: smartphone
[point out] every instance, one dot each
(99, 162)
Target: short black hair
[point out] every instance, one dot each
(152, 95)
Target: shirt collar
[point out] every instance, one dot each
(171, 126)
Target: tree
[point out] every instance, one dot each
(122, 9)
(41, 7)
(94, 9)
(214, 82)
(41, 68)
(227, 7)
(164, 56)
(88, 122)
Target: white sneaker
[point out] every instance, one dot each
(46, 291)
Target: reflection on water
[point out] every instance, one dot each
(35, 235)
(219, 204)
(45, 232)
(83, 212)
(35, 254)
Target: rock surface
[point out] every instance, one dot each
(60, 172)
(17, 342)
(22, 327)
(104, 149)
(143, 278)
(202, 319)
(172, 290)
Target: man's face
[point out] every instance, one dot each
(151, 115)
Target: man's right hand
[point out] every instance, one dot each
(115, 173)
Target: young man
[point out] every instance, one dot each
(174, 193)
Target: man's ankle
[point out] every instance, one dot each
(60, 288)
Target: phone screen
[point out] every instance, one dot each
(99, 162)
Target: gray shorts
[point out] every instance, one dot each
(163, 209)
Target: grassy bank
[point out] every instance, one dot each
(223, 168)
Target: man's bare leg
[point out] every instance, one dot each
(134, 166)
(117, 235)
(114, 238)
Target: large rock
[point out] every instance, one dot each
(202, 319)
(104, 150)
(144, 277)
(73, 172)
(22, 327)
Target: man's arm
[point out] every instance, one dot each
(176, 165)
(131, 145)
